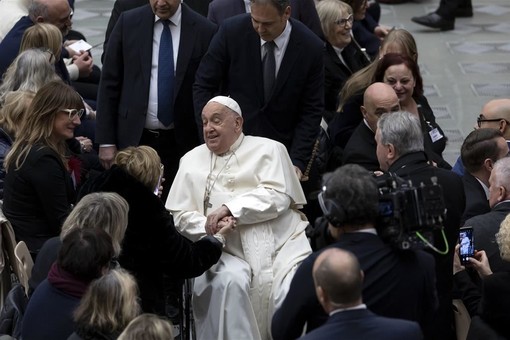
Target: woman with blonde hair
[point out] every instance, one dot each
(39, 190)
(43, 36)
(103, 210)
(107, 307)
(349, 115)
(152, 246)
(12, 113)
(147, 327)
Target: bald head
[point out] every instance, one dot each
(55, 12)
(338, 279)
(378, 99)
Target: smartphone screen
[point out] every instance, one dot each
(467, 246)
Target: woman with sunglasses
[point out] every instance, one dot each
(38, 188)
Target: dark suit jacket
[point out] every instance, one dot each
(476, 199)
(363, 324)
(302, 10)
(414, 166)
(38, 197)
(120, 6)
(293, 113)
(125, 81)
(391, 277)
(9, 49)
(484, 229)
(336, 73)
(493, 310)
(361, 148)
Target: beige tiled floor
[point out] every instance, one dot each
(462, 69)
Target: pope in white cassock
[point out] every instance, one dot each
(253, 180)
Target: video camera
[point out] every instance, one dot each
(408, 214)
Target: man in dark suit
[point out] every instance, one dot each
(120, 6)
(302, 10)
(397, 284)
(379, 98)
(400, 151)
(480, 150)
(338, 283)
(487, 225)
(130, 110)
(273, 66)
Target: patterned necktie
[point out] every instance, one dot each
(269, 69)
(166, 76)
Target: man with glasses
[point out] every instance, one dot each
(55, 12)
(495, 115)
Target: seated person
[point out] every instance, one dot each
(103, 210)
(38, 188)
(378, 99)
(338, 282)
(85, 255)
(349, 200)
(152, 246)
(147, 326)
(253, 180)
(108, 306)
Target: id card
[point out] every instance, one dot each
(435, 135)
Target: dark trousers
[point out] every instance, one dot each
(447, 8)
(163, 141)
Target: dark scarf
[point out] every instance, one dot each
(66, 282)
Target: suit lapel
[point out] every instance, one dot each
(146, 27)
(187, 41)
(292, 54)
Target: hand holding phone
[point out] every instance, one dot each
(467, 246)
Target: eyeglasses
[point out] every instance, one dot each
(481, 120)
(343, 22)
(73, 113)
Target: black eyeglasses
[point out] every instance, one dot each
(73, 113)
(481, 120)
(343, 22)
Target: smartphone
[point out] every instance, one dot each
(467, 245)
(162, 170)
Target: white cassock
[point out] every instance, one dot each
(236, 298)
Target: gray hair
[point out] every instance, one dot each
(330, 11)
(101, 210)
(501, 173)
(28, 72)
(355, 189)
(402, 129)
(37, 9)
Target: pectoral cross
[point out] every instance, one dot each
(207, 204)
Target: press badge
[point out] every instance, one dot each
(435, 135)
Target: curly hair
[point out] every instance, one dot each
(503, 239)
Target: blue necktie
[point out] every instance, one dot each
(166, 76)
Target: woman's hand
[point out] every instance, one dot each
(226, 225)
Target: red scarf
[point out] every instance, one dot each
(66, 282)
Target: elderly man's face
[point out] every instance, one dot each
(221, 127)
(377, 107)
(164, 9)
(495, 191)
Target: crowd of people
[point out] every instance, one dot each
(247, 145)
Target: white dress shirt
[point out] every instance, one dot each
(281, 43)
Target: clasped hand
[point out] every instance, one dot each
(220, 221)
